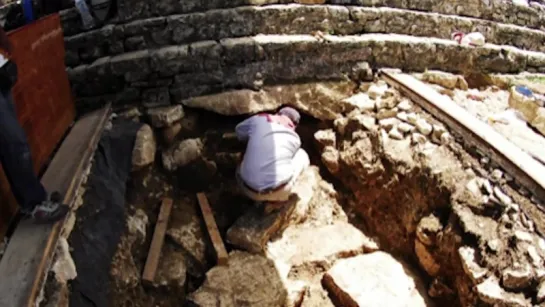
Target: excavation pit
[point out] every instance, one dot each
(402, 215)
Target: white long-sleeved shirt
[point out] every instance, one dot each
(271, 146)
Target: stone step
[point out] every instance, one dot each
(208, 67)
(286, 19)
(494, 10)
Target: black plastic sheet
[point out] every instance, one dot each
(101, 219)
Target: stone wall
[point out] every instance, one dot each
(194, 49)
(494, 10)
(285, 19)
(206, 67)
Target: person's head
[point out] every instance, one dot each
(290, 113)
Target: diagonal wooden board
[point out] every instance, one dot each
(215, 237)
(29, 254)
(154, 253)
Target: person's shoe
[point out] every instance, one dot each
(50, 211)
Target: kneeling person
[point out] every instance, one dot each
(273, 159)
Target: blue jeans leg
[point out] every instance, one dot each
(16, 159)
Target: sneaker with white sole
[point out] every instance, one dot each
(50, 211)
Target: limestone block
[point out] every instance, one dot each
(375, 279)
(182, 154)
(145, 145)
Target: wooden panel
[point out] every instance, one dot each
(215, 237)
(516, 162)
(42, 96)
(157, 242)
(28, 255)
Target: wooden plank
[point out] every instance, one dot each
(44, 105)
(215, 237)
(29, 253)
(157, 242)
(514, 160)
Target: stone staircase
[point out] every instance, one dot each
(158, 53)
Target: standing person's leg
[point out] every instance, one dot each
(16, 159)
(17, 164)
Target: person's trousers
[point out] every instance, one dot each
(300, 162)
(16, 159)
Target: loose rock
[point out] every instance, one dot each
(170, 133)
(389, 102)
(388, 123)
(360, 101)
(375, 279)
(423, 127)
(253, 230)
(395, 134)
(540, 297)
(496, 175)
(490, 292)
(418, 138)
(517, 278)
(445, 80)
(405, 128)
(377, 90)
(386, 113)
(426, 259)
(404, 105)
(165, 116)
(308, 245)
(249, 280)
(64, 266)
(145, 146)
(470, 265)
(427, 229)
(506, 200)
(412, 118)
(325, 138)
(182, 154)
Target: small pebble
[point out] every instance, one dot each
(486, 186)
(402, 116)
(412, 118)
(404, 127)
(395, 134)
(404, 105)
(496, 175)
(418, 138)
(506, 200)
(386, 113)
(423, 127)
(485, 160)
(446, 138)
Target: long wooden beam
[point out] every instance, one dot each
(154, 253)
(30, 251)
(215, 237)
(526, 170)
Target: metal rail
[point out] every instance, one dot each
(527, 171)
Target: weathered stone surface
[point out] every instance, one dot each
(307, 245)
(64, 266)
(375, 279)
(186, 231)
(470, 265)
(253, 230)
(490, 292)
(325, 138)
(171, 60)
(330, 158)
(444, 79)
(171, 271)
(248, 280)
(165, 116)
(143, 153)
(321, 100)
(182, 154)
(361, 101)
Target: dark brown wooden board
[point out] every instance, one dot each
(157, 242)
(215, 237)
(42, 98)
(29, 253)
